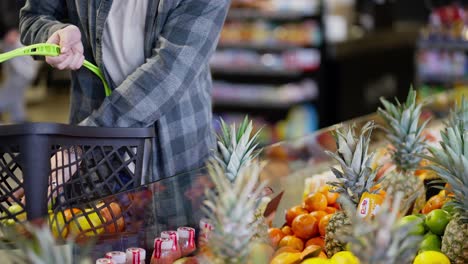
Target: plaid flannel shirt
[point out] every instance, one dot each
(171, 91)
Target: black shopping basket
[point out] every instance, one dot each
(58, 165)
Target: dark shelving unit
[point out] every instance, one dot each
(269, 110)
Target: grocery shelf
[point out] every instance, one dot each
(245, 13)
(443, 79)
(443, 45)
(276, 47)
(258, 71)
(261, 103)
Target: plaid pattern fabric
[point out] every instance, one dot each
(171, 91)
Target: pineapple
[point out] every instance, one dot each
(234, 207)
(459, 114)
(231, 210)
(451, 164)
(236, 149)
(355, 178)
(381, 239)
(405, 135)
(36, 244)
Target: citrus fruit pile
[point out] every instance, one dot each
(302, 236)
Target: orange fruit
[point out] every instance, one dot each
(318, 214)
(305, 226)
(286, 249)
(325, 188)
(275, 235)
(435, 202)
(311, 249)
(323, 224)
(315, 202)
(293, 212)
(287, 230)
(318, 241)
(292, 241)
(332, 197)
(323, 255)
(331, 210)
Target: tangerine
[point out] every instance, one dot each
(315, 202)
(286, 249)
(312, 249)
(305, 226)
(319, 241)
(275, 235)
(435, 202)
(293, 212)
(332, 197)
(318, 214)
(323, 255)
(325, 188)
(287, 230)
(331, 210)
(292, 241)
(323, 224)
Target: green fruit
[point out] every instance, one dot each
(449, 208)
(422, 216)
(429, 233)
(437, 220)
(430, 243)
(418, 228)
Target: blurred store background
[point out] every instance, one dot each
(299, 65)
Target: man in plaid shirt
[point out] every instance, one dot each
(155, 56)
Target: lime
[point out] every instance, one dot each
(449, 208)
(418, 222)
(422, 216)
(344, 257)
(431, 257)
(430, 243)
(437, 220)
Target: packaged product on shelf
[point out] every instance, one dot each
(205, 229)
(117, 257)
(175, 239)
(136, 255)
(104, 261)
(186, 240)
(163, 253)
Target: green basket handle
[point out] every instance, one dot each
(51, 50)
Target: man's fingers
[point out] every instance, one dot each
(54, 39)
(65, 64)
(53, 61)
(77, 62)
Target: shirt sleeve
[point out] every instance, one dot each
(185, 45)
(40, 19)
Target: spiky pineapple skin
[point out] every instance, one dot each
(338, 222)
(409, 185)
(454, 242)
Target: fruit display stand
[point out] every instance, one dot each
(135, 217)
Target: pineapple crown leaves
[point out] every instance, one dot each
(459, 114)
(382, 239)
(230, 207)
(450, 162)
(38, 245)
(403, 130)
(236, 149)
(356, 175)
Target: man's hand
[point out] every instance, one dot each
(69, 40)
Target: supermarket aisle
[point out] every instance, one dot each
(53, 108)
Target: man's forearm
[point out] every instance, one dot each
(39, 20)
